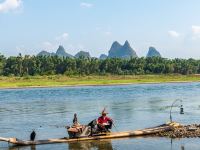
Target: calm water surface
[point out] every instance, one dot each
(47, 110)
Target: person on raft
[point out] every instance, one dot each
(104, 123)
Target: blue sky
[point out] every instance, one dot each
(29, 26)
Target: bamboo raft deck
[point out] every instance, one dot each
(144, 132)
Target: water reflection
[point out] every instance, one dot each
(127, 143)
(32, 147)
(90, 145)
(182, 147)
(131, 106)
(98, 145)
(106, 145)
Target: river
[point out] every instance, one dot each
(137, 106)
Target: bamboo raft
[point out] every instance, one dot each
(144, 132)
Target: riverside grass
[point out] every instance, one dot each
(61, 80)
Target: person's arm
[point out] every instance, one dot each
(99, 121)
(109, 119)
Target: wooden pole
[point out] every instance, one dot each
(113, 135)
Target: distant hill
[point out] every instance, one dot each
(121, 51)
(60, 52)
(45, 53)
(153, 52)
(103, 56)
(116, 51)
(83, 54)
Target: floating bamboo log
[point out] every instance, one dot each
(144, 132)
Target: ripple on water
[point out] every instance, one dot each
(48, 110)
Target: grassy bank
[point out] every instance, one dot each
(57, 80)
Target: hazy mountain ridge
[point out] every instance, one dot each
(62, 53)
(153, 52)
(45, 53)
(103, 56)
(121, 51)
(83, 54)
(116, 51)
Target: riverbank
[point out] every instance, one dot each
(59, 80)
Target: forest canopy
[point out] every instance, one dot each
(50, 65)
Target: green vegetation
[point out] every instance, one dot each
(23, 71)
(54, 65)
(61, 80)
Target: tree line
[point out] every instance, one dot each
(50, 65)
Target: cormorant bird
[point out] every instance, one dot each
(75, 120)
(32, 136)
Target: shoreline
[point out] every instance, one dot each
(54, 81)
(90, 85)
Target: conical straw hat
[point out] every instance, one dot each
(104, 111)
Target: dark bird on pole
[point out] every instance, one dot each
(32, 136)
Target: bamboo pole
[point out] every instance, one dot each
(113, 135)
(4, 139)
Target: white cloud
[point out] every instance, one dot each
(173, 34)
(53, 44)
(65, 35)
(10, 5)
(23, 49)
(196, 30)
(20, 49)
(108, 33)
(81, 46)
(48, 46)
(62, 37)
(86, 5)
